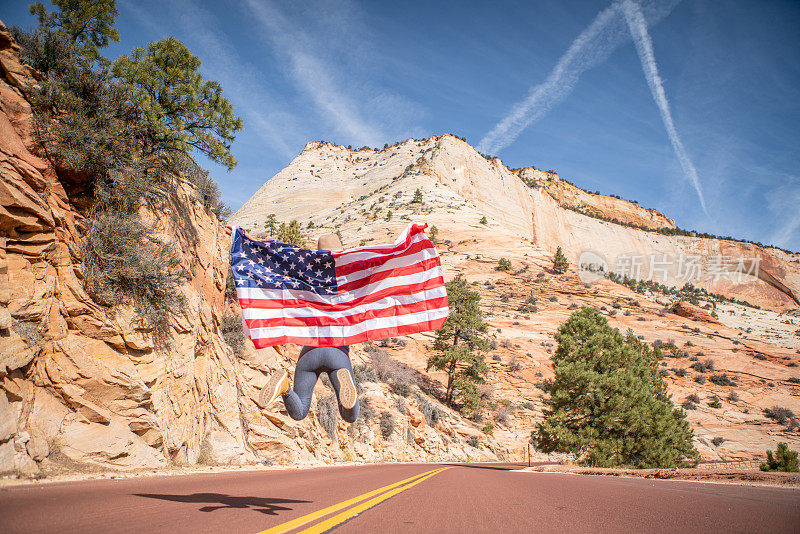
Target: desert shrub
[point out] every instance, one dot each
(688, 405)
(633, 422)
(400, 377)
(679, 371)
(473, 441)
(794, 380)
(503, 264)
(503, 415)
(717, 441)
(553, 298)
(387, 424)
(400, 404)
(779, 414)
(714, 402)
(233, 333)
(784, 460)
(483, 220)
(429, 410)
(496, 357)
(513, 365)
(364, 373)
(326, 414)
(123, 259)
(733, 397)
(700, 379)
(694, 397)
(721, 380)
(760, 357)
(488, 429)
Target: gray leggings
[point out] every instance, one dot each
(313, 362)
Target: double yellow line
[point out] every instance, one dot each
(384, 493)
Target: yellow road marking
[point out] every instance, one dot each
(354, 511)
(300, 521)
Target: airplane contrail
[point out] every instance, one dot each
(644, 47)
(607, 32)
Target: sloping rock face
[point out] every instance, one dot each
(570, 196)
(82, 388)
(367, 195)
(331, 184)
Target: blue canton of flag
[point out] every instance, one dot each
(275, 265)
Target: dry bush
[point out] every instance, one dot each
(233, 333)
(399, 376)
(326, 414)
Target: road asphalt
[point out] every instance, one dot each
(396, 498)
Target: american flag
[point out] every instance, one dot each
(319, 298)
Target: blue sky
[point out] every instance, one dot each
(725, 75)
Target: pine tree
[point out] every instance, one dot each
(180, 109)
(434, 234)
(291, 234)
(87, 23)
(271, 224)
(560, 262)
(784, 460)
(608, 404)
(417, 197)
(459, 346)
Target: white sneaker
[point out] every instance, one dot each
(277, 385)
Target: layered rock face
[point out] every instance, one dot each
(332, 184)
(367, 195)
(81, 387)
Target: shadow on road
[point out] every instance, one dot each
(259, 504)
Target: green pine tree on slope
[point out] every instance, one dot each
(608, 404)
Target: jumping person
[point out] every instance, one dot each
(314, 361)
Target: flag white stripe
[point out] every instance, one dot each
(310, 296)
(402, 261)
(386, 302)
(344, 331)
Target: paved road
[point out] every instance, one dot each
(396, 498)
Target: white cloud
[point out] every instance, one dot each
(314, 76)
(593, 46)
(644, 47)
